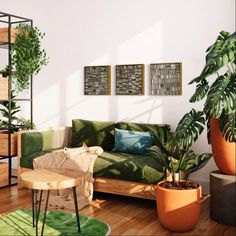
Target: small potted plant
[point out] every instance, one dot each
(4, 84)
(178, 201)
(28, 57)
(6, 112)
(220, 104)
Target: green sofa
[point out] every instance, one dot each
(114, 167)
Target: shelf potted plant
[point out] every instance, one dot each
(16, 125)
(178, 201)
(27, 57)
(6, 112)
(4, 84)
(220, 104)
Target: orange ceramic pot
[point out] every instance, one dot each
(178, 210)
(224, 152)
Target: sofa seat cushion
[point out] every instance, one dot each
(129, 167)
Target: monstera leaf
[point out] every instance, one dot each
(221, 97)
(192, 162)
(218, 55)
(228, 127)
(189, 128)
(201, 91)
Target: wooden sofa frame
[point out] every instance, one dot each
(106, 185)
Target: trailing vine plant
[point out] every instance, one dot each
(27, 56)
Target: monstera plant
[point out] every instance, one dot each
(220, 96)
(174, 150)
(220, 104)
(176, 197)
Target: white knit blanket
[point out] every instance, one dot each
(80, 159)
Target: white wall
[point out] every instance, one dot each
(89, 32)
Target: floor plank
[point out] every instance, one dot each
(126, 216)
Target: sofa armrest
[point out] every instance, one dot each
(61, 137)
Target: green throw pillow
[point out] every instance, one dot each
(31, 143)
(47, 140)
(93, 133)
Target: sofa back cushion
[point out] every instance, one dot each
(157, 130)
(93, 133)
(36, 141)
(31, 142)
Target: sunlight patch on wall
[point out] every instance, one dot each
(47, 106)
(144, 110)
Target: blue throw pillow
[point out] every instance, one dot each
(132, 141)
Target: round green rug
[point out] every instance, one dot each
(57, 223)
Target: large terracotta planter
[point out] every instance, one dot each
(178, 210)
(224, 152)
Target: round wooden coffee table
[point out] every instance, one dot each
(50, 179)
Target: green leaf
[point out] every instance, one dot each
(196, 162)
(157, 153)
(189, 128)
(200, 92)
(218, 54)
(228, 126)
(196, 80)
(221, 96)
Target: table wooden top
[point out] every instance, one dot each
(45, 179)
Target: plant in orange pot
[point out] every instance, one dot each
(178, 201)
(220, 105)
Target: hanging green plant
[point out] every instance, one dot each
(27, 56)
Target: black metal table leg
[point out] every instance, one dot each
(39, 206)
(76, 208)
(36, 209)
(33, 206)
(45, 212)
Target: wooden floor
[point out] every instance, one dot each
(126, 216)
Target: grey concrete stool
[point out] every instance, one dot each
(223, 198)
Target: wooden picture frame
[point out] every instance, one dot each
(97, 80)
(166, 78)
(130, 79)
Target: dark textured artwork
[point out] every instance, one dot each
(166, 78)
(130, 79)
(97, 80)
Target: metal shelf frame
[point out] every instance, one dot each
(12, 20)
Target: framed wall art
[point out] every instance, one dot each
(166, 78)
(97, 80)
(130, 79)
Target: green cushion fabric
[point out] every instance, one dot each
(157, 130)
(93, 133)
(47, 140)
(31, 143)
(129, 167)
(27, 161)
